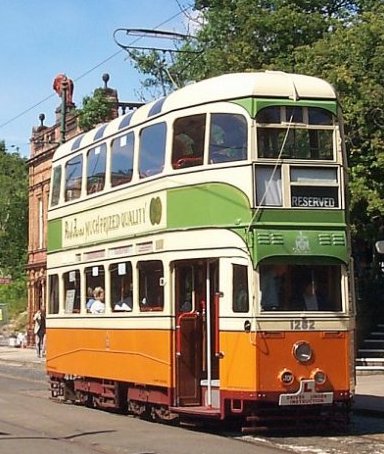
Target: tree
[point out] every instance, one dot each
(339, 40)
(352, 58)
(96, 109)
(13, 212)
(239, 35)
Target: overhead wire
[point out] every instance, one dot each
(2, 125)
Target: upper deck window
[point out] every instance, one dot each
(96, 162)
(295, 133)
(228, 138)
(56, 185)
(73, 178)
(318, 116)
(188, 141)
(152, 150)
(122, 160)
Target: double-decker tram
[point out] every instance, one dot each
(199, 257)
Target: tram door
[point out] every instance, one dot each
(195, 321)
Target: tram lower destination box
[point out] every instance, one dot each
(306, 395)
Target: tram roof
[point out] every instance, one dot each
(268, 84)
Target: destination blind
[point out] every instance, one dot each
(314, 197)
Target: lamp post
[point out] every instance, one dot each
(64, 89)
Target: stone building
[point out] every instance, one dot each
(44, 141)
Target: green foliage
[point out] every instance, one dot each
(239, 35)
(153, 64)
(339, 40)
(13, 212)
(15, 296)
(352, 59)
(96, 109)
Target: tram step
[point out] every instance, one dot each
(369, 370)
(369, 361)
(374, 343)
(365, 352)
(197, 411)
(369, 365)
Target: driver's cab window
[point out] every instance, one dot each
(289, 287)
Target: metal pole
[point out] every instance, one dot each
(208, 323)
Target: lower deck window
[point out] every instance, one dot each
(121, 287)
(72, 291)
(286, 287)
(95, 285)
(240, 300)
(151, 295)
(53, 302)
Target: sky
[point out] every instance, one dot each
(40, 39)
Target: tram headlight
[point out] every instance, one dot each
(286, 377)
(319, 376)
(302, 352)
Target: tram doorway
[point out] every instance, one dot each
(196, 283)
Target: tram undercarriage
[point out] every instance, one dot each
(155, 404)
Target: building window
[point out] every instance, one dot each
(40, 221)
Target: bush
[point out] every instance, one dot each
(14, 295)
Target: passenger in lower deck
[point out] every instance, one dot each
(124, 304)
(310, 299)
(98, 306)
(90, 299)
